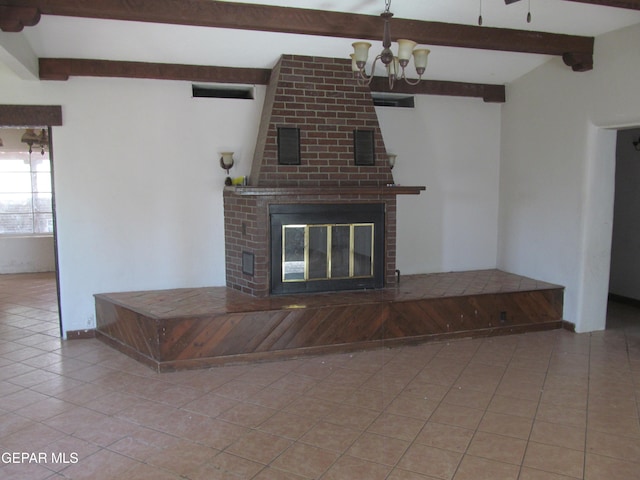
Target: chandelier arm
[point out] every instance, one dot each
(412, 83)
(365, 79)
(364, 82)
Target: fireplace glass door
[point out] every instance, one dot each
(326, 247)
(327, 251)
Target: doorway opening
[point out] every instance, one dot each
(28, 254)
(623, 307)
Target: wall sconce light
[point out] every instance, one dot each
(226, 162)
(391, 158)
(636, 144)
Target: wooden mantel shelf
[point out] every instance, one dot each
(350, 190)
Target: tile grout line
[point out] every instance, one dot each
(412, 442)
(485, 412)
(440, 402)
(535, 414)
(586, 420)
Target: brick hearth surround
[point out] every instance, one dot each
(321, 97)
(246, 230)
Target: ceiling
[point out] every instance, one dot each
(59, 36)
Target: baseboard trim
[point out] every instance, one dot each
(569, 326)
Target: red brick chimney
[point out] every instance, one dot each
(321, 98)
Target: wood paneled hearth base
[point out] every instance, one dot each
(201, 327)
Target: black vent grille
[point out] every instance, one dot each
(221, 91)
(393, 100)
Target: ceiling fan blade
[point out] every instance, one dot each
(509, 2)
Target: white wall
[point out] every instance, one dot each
(557, 172)
(452, 146)
(139, 189)
(624, 277)
(138, 184)
(27, 254)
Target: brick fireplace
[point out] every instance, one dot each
(315, 108)
(319, 101)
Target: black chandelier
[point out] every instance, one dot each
(395, 64)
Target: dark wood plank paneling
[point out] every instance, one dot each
(186, 341)
(128, 327)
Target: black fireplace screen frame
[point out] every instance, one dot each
(322, 214)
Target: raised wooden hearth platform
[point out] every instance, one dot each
(200, 327)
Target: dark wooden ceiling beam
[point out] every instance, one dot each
(63, 68)
(14, 19)
(490, 93)
(627, 4)
(30, 115)
(246, 16)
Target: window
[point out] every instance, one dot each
(25, 194)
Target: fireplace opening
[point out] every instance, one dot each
(327, 251)
(332, 247)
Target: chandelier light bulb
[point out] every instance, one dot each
(361, 53)
(420, 58)
(405, 48)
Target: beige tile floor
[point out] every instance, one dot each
(550, 405)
